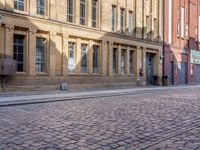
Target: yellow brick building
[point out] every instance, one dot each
(86, 43)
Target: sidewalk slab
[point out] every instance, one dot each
(61, 96)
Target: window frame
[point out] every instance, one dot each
(82, 17)
(17, 4)
(70, 11)
(43, 8)
(42, 60)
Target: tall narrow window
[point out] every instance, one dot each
(40, 54)
(95, 58)
(182, 22)
(123, 61)
(70, 10)
(19, 5)
(178, 28)
(41, 7)
(113, 18)
(71, 57)
(94, 13)
(186, 31)
(130, 23)
(83, 58)
(147, 24)
(115, 60)
(198, 29)
(131, 62)
(82, 11)
(122, 20)
(18, 53)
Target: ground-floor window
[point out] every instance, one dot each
(131, 62)
(83, 58)
(123, 51)
(71, 57)
(95, 58)
(18, 53)
(114, 60)
(40, 54)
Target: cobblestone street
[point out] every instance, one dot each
(168, 119)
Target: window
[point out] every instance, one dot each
(182, 22)
(19, 5)
(130, 23)
(95, 58)
(115, 60)
(83, 58)
(113, 18)
(122, 21)
(18, 54)
(71, 57)
(192, 69)
(147, 24)
(94, 13)
(82, 11)
(40, 54)
(155, 27)
(186, 31)
(131, 62)
(123, 61)
(70, 10)
(178, 28)
(199, 29)
(41, 7)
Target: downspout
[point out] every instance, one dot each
(163, 40)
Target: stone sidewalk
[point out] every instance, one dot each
(9, 99)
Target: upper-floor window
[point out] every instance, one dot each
(70, 10)
(19, 5)
(94, 13)
(182, 21)
(122, 14)
(130, 22)
(113, 18)
(147, 24)
(178, 28)
(41, 7)
(82, 12)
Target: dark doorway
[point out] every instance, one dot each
(198, 74)
(171, 73)
(182, 73)
(149, 68)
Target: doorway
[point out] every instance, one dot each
(150, 68)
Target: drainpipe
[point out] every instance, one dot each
(163, 42)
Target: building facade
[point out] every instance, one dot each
(181, 41)
(86, 43)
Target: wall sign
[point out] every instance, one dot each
(195, 57)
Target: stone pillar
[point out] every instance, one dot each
(89, 16)
(78, 56)
(104, 58)
(32, 53)
(110, 57)
(90, 57)
(119, 60)
(77, 12)
(144, 61)
(65, 56)
(9, 41)
(2, 41)
(127, 60)
(139, 61)
(52, 54)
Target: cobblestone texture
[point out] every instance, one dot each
(168, 120)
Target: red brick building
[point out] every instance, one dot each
(181, 41)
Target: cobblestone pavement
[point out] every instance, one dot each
(166, 120)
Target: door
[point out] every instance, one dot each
(149, 68)
(171, 73)
(182, 73)
(198, 74)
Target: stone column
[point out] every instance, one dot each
(2, 41)
(127, 60)
(89, 16)
(90, 57)
(119, 60)
(144, 61)
(104, 60)
(65, 56)
(78, 56)
(110, 57)
(9, 41)
(52, 54)
(32, 52)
